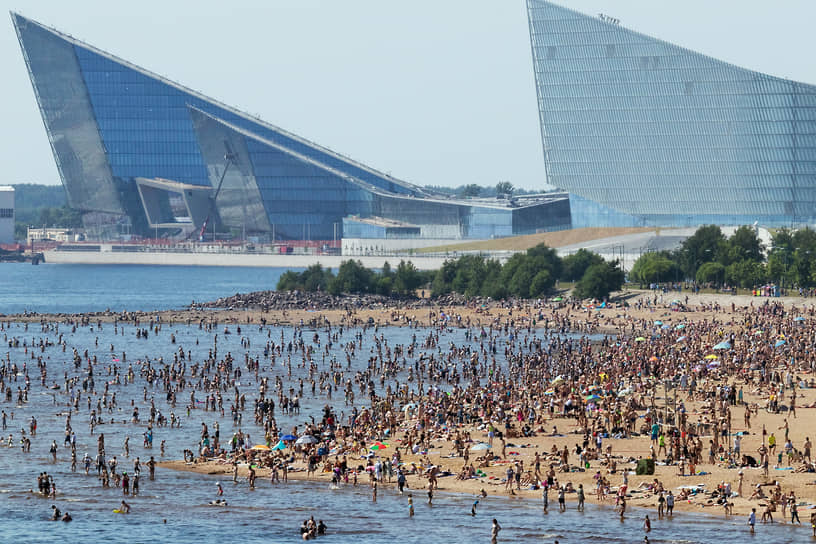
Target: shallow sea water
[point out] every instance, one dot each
(174, 507)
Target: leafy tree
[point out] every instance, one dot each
(803, 263)
(542, 282)
(386, 270)
(744, 245)
(654, 267)
(470, 190)
(547, 258)
(384, 285)
(746, 273)
(599, 281)
(289, 281)
(706, 245)
(492, 285)
(710, 273)
(504, 188)
(314, 278)
(780, 258)
(574, 266)
(519, 283)
(407, 278)
(352, 277)
(443, 279)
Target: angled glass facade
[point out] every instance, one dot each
(305, 198)
(643, 132)
(111, 123)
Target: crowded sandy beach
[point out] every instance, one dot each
(659, 404)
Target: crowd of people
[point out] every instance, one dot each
(654, 381)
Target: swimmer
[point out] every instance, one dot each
(473, 508)
(494, 531)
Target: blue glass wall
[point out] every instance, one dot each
(358, 229)
(69, 119)
(147, 129)
(655, 131)
(143, 123)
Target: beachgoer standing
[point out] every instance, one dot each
(494, 532)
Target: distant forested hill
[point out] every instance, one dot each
(42, 206)
(30, 199)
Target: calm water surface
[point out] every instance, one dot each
(76, 288)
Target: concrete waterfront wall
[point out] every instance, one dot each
(230, 259)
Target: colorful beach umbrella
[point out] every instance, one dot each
(779, 343)
(376, 446)
(711, 357)
(260, 447)
(640, 339)
(722, 345)
(288, 437)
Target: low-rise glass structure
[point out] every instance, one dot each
(135, 145)
(642, 132)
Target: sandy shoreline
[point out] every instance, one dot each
(803, 483)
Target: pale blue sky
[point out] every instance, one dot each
(433, 91)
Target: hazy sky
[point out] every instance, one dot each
(433, 91)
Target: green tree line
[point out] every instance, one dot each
(526, 275)
(741, 260)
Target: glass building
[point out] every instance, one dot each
(153, 154)
(645, 133)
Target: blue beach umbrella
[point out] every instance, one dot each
(723, 345)
(779, 343)
(288, 437)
